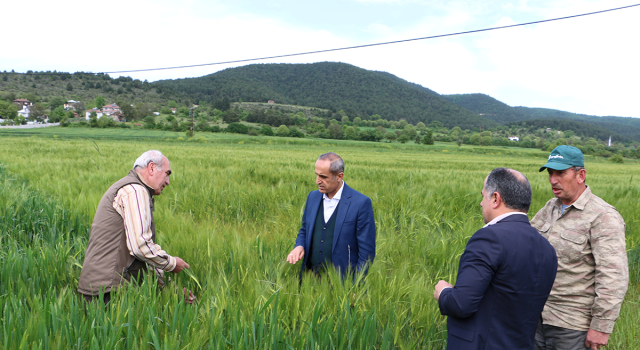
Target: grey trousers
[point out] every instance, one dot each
(557, 338)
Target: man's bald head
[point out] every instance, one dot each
(513, 187)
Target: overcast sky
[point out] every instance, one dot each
(585, 65)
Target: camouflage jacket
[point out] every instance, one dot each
(593, 273)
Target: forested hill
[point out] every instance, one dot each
(502, 113)
(580, 128)
(328, 85)
(628, 127)
(488, 107)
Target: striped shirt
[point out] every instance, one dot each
(132, 203)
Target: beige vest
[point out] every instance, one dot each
(108, 262)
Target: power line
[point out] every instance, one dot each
(357, 46)
(375, 44)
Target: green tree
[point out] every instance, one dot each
(37, 112)
(9, 96)
(428, 138)
(282, 131)
(32, 97)
(237, 128)
(69, 87)
(294, 132)
(8, 110)
(266, 130)
(357, 121)
(93, 120)
(149, 122)
(99, 101)
(345, 120)
(616, 158)
(128, 111)
(350, 133)
(143, 110)
(335, 131)
(403, 138)
(391, 136)
(57, 114)
(56, 102)
(231, 116)
(410, 131)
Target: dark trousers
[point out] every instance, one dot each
(557, 338)
(92, 298)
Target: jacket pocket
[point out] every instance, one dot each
(573, 236)
(461, 333)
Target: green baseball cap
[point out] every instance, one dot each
(564, 157)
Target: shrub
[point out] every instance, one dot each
(616, 158)
(266, 130)
(282, 131)
(237, 128)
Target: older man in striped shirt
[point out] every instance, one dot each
(123, 233)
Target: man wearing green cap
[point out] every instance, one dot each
(593, 274)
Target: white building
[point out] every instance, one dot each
(89, 111)
(70, 104)
(24, 112)
(514, 138)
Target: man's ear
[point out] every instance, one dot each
(581, 175)
(496, 200)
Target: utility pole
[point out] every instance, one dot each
(191, 129)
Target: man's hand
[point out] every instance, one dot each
(188, 296)
(180, 265)
(439, 287)
(596, 340)
(296, 254)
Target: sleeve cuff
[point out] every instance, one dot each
(171, 265)
(441, 291)
(600, 325)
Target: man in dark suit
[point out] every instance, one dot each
(505, 274)
(337, 225)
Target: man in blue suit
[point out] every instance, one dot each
(337, 225)
(505, 274)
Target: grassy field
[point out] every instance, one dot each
(232, 212)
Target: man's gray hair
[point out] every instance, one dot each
(337, 164)
(514, 188)
(147, 157)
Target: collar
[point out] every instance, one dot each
(338, 194)
(580, 202)
(152, 190)
(500, 217)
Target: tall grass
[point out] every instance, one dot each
(232, 212)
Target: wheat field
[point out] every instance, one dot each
(232, 211)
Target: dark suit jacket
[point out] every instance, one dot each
(504, 279)
(354, 238)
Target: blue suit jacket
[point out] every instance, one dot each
(504, 279)
(354, 238)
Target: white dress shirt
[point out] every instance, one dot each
(500, 217)
(331, 204)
